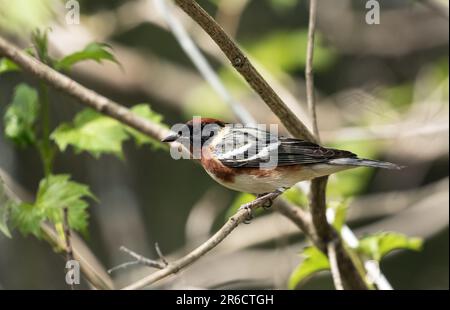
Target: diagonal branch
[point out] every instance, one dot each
(79, 92)
(309, 76)
(230, 225)
(243, 65)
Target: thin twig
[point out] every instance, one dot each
(161, 255)
(310, 96)
(336, 275)
(373, 270)
(243, 65)
(344, 266)
(68, 238)
(240, 216)
(142, 260)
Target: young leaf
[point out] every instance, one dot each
(378, 245)
(27, 218)
(91, 132)
(21, 115)
(340, 212)
(7, 65)
(313, 261)
(40, 42)
(296, 196)
(146, 112)
(93, 51)
(55, 193)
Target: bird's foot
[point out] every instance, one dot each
(268, 203)
(249, 210)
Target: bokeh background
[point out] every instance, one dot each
(382, 92)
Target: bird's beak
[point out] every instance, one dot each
(171, 137)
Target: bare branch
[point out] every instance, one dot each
(68, 237)
(318, 206)
(79, 92)
(310, 97)
(336, 275)
(240, 216)
(243, 65)
(139, 259)
(340, 261)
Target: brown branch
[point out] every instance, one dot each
(240, 216)
(79, 92)
(334, 266)
(243, 65)
(142, 260)
(342, 267)
(310, 96)
(318, 206)
(68, 238)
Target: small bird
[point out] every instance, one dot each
(253, 160)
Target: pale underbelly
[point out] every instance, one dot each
(257, 184)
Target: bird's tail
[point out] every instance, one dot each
(364, 163)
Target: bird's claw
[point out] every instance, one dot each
(249, 214)
(267, 204)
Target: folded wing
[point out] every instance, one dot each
(252, 147)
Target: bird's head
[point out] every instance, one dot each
(202, 129)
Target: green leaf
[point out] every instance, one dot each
(93, 51)
(91, 132)
(40, 43)
(376, 246)
(7, 65)
(27, 218)
(54, 194)
(340, 213)
(313, 261)
(144, 110)
(21, 115)
(296, 196)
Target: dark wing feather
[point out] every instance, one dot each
(254, 147)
